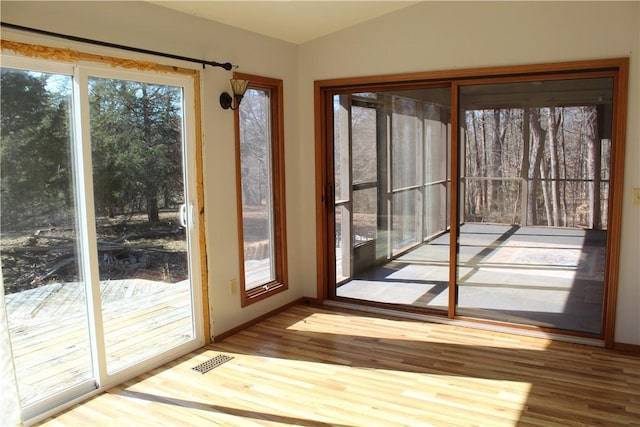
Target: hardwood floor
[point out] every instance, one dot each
(315, 366)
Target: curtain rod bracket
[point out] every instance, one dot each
(227, 65)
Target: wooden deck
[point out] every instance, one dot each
(312, 366)
(50, 338)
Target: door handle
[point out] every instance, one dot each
(183, 215)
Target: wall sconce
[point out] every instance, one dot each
(239, 87)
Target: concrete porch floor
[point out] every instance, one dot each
(524, 275)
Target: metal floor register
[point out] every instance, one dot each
(212, 363)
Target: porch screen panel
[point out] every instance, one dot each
(342, 186)
(406, 174)
(436, 169)
(405, 144)
(406, 219)
(364, 215)
(364, 172)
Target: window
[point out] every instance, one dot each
(260, 188)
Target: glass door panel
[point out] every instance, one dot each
(532, 240)
(141, 218)
(41, 265)
(392, 180)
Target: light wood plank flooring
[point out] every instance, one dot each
(315, 366)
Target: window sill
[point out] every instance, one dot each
(262, 292)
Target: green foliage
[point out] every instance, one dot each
(136, 146)
(136, 142)
(34, 146)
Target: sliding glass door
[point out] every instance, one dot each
(489, 196)
(98, 240)
(534, 192)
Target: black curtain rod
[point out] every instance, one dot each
(225, 65)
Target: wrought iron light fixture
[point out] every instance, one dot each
(239, 87)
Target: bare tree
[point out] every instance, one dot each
(536, 149)
(554, 175)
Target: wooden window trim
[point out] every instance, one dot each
(280, 284)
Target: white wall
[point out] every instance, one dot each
(152, 27)
(453, 35)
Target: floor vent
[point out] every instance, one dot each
(212, 363)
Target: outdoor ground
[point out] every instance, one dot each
(36, 252)
(40, 253)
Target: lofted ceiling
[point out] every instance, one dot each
(292, 21)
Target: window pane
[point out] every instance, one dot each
(536, 166)
(257, 188)
(43, 285)
(136, 141)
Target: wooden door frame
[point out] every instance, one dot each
(325, 89)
